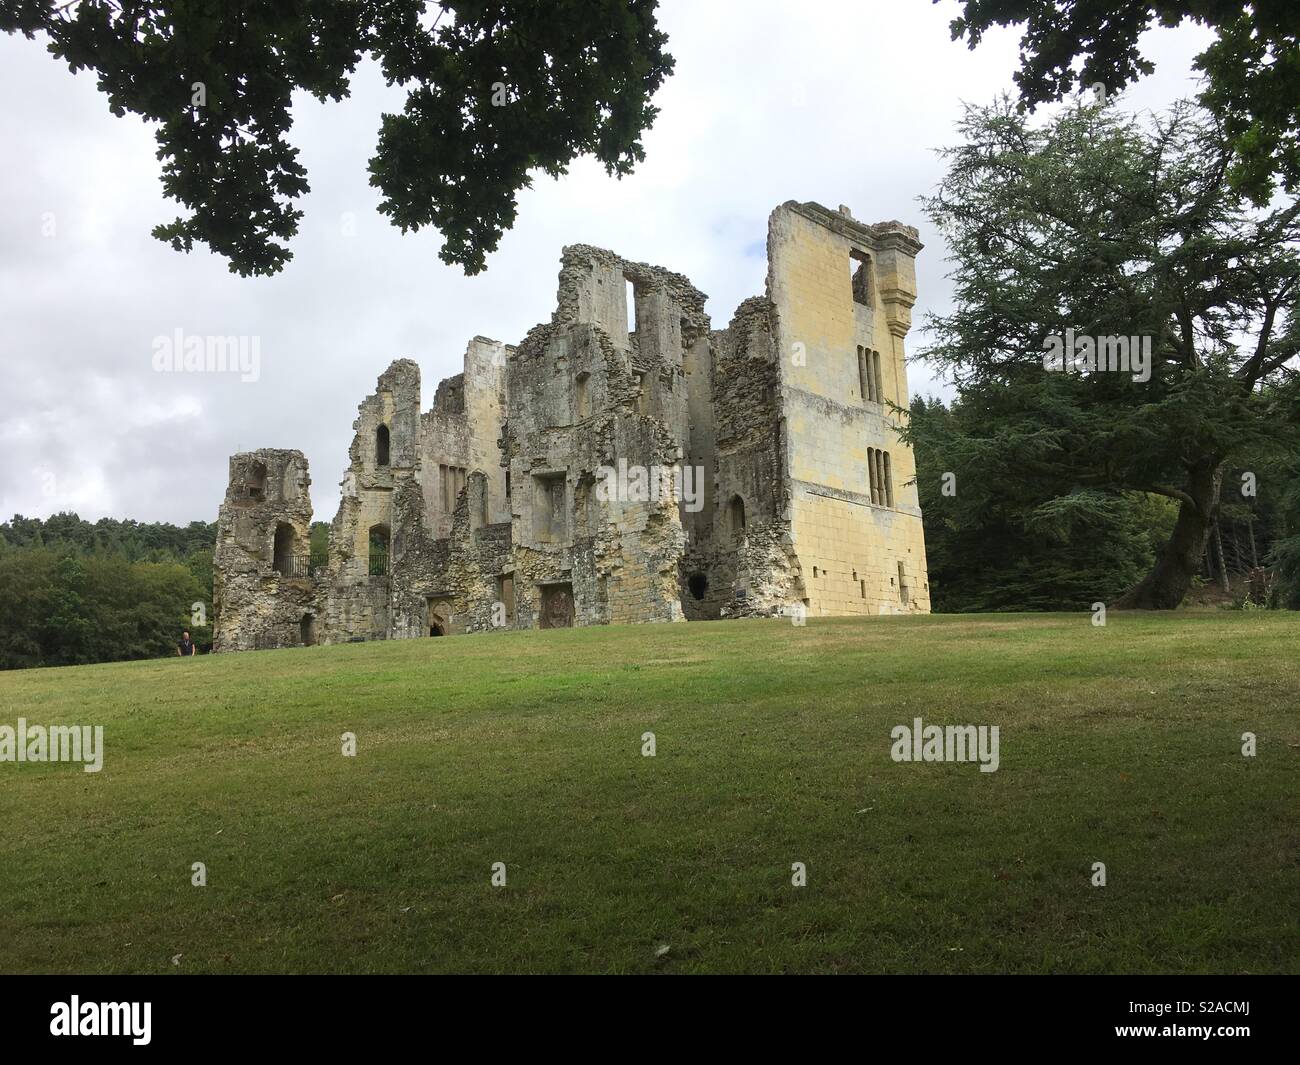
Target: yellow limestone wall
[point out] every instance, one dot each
(848, 548)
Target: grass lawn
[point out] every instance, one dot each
(1119, 744)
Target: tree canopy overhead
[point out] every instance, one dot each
(1252, 71)
(494, 90)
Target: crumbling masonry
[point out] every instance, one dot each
(596, 474)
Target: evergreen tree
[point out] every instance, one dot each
(1095, 225)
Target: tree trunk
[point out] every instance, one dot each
(1223, 562)
(1180, 557)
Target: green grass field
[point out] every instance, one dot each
(1119, 744)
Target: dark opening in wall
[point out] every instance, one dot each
(307, 630)
(698, 584)
(381, 446)
(256, 484)
(860, 274)
(736, 519)
(378, 566)
(284, 550)
(557, 606)
(437, 613)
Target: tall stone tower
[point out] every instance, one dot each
(263, 596)
(842, 294)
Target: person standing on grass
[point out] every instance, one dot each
(186, 647)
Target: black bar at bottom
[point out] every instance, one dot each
(342, 1013)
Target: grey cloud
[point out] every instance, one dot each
(843, 105)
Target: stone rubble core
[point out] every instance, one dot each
(488, 511)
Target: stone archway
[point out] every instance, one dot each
(437, 616)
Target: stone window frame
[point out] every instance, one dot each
(880, 478)
(871, 384)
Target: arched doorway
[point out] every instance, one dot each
(284, 550)
(437, 614)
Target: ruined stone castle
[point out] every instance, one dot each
(614, 469)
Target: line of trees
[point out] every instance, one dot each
(73, 591)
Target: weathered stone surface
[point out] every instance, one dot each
(263, 595)
(493, 509)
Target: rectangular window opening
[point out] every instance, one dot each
(860, 277)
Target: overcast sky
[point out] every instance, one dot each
(844, 103)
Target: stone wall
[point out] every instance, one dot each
(494, 504)
(263, 594)
(849, 541)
